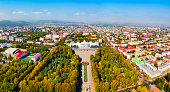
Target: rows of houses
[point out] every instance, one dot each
(12, 38)
(149, 68)
(145, 57)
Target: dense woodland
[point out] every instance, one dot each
(78, 37)
(57, 68)
(34, 48)
(163, 83)
(111, 70)
(12, 74)
(58, 71)
(31, 35)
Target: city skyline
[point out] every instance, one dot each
(96, 11)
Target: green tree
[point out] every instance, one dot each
(156, 65)
(10, 57)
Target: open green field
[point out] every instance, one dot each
(26, 59)
(85, 73)
(32, 54)
(137, 61)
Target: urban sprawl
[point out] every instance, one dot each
(125, 57)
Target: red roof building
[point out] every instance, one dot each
(22, 54)
(122, 49)
(36, 57)
(155, 61)
(61, 36)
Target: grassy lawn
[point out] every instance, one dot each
(32, 54)
(85, 70)
(136, 60)
(85, 73)
(4, 55)
(26, 59)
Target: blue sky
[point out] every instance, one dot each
(90, 11)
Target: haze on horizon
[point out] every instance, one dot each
(89, 11)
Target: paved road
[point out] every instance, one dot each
(143, 78)
(84, 54)
(106, 42)
(122, 89)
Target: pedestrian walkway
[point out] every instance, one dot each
(84, 53)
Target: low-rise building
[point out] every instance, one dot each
(12, 51)
(3, 45)
(30, 41)
(84, 44)
(5, 37)
(20, 39)
(122, 49)
(41, 39)
(150, 69)
(36, 57)
(46, 43)
(11, 38)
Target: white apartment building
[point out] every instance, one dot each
(84, 44)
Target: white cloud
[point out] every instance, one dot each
(92, 14)
(45, 10)
(17, 12)
(77, 14)
(14, 12)
(37, 13)
(47, 13)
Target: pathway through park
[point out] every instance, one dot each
(84, 53)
